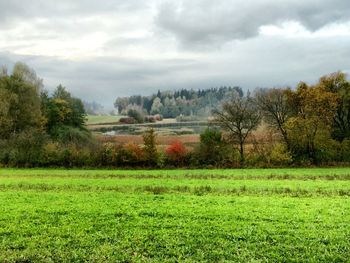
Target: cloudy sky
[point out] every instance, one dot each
(101, 50)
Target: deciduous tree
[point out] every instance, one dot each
(238, 117)
(314, 109)
(275, 108)
(338, 84)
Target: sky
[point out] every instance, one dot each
(101, 50)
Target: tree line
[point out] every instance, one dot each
(171, 104)
(312, 121)
(32, 120)
(307, 125)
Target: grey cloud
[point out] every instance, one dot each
(250, 62)
(104, 79)
(13, 10)
(202, 22)
(262, 61)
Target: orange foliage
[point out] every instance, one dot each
(176, 151)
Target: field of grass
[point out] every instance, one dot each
(97, 119)
(251, 215)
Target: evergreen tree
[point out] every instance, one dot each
(150, 147)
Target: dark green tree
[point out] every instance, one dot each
(212, 148)
(65, 116)
(338, 84)
(150, 147)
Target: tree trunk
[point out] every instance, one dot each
(241, 152)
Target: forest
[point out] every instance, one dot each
(305, 125)
(171, 104)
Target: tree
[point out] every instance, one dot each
(20, 101)
(337, 84)
(7, 98)
(121, 104)
(150, 147)
(275, 108)
(156, 106)
(76, 115)
(65, 116)
(314, 109)
(211, 147)
(21, 121)
(238, 117)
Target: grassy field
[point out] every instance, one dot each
(97, 119)
(252, 215)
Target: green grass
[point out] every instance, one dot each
(98, 119)
(252, 215)
(284, 173)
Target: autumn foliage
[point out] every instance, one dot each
(176, 152)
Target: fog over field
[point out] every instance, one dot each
(100, 51)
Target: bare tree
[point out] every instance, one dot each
(276, 111)
(239, 116)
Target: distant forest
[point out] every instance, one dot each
(170, 104)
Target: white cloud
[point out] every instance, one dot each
(294, 29)
(124, 47)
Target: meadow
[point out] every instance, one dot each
(100, 119)
(242, 215)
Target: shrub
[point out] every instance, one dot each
(127, 120)
(328, 150)
(23, 149)
(138, 116)
(52, 154)
(212, 149)
(130, 154)
(150, 119)
(158, 117)
(280, 155)
(71, 135)
(176, 153)
(345, 150)
(107, 154)
(79, 156)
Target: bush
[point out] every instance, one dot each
(136, 115)
(52, 154)
(127, 120)
(23, 149)
(108, 154)
(345, 150)
(328, 150)
(212, 149)
(130, 154)
(280, 156)
(71, 135)
(176, 153)
(151, 119)
(158, 117)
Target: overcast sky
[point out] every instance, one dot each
(101, 50)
